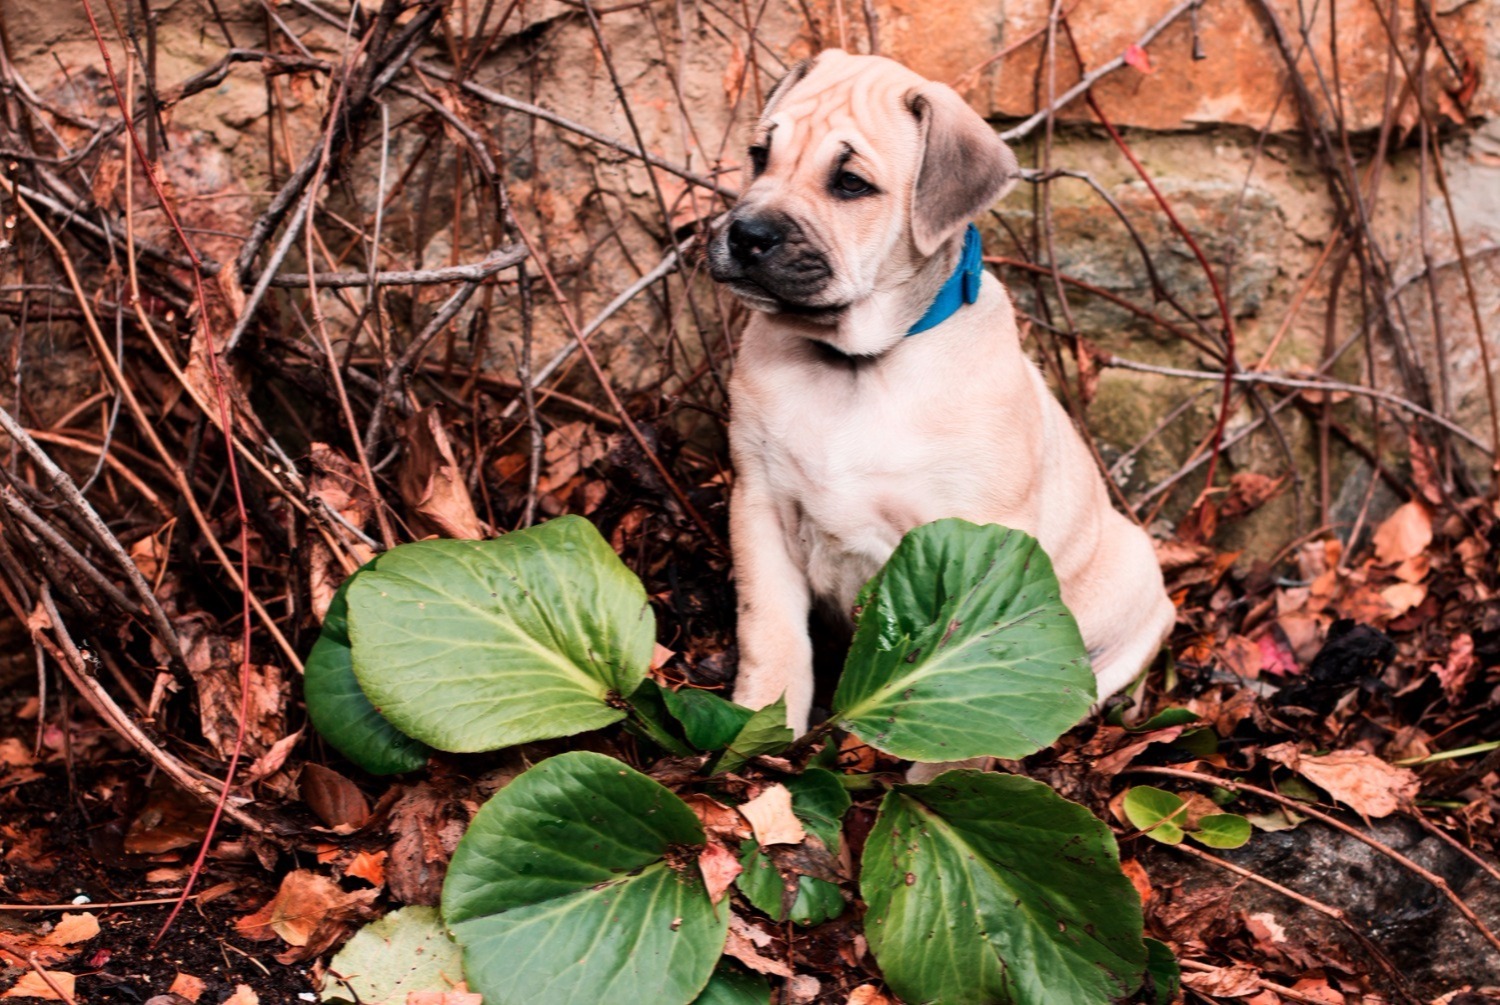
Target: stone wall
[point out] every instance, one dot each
(1210, 112)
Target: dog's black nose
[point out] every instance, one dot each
(751, 240)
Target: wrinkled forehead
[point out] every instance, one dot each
(854, 101)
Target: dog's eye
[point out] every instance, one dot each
(758, 156)
(848, 183)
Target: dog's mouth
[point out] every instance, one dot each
(762, 299)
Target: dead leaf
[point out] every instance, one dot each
(1405, 533)
(567, 450)
(15, 754)
(1229, 982)
(719, 866)
(734, 77)
(72, 929)
(106, 182)
(149, 555)
(242, 996)
(802, 989)
(1241, 656)
(1248, 492)
(187, 986)
(443, 998)
(368, 866)
(170, 819)
(31, 985)
(1137, 58)
(1402, 597)
(744, 944)
(432, 481)
(336, 800)
(1361, 781)
(717, 818)
(336, 483)
(867, 994)
(310, 912)
(1316, 989)
(771, 817)
(271, 761)
(1136, 873)
(424, 827)
(1424, 469)
(1458, 672)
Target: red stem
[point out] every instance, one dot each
(226, 424)
(1231, 365)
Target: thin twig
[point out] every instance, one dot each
(1067, 97)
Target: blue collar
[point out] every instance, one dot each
(961, 288)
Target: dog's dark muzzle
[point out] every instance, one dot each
(768, 256)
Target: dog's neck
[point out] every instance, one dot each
(877, 324)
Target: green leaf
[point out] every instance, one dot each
(963, 648)
(1222, 830)
(407, 950)
(732, 986)
(709, 721)
(986, 888)
(817, 900)
(339, 710)
(477, 645)
(1166, 717)
(578, 883)
(765, 732)
(820, 801)
(649, 718)
(1198, 742)
(1164, 974)
(1158, 813)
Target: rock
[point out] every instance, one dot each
(1412, 923)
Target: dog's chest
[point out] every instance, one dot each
(852, 470)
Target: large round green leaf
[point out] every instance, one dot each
(732, 986)
(339, 710)
(476, 645)
(963, 648)
(578, 883)
(986, 888)
(405, 951)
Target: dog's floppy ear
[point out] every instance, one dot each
(786, 83)
(965, 167)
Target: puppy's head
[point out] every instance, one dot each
(860, 172)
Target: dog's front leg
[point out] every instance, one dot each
(775, 651)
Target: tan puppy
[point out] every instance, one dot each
(846, 432)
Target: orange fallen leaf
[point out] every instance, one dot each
(1403, 597)
(368, 866)
(1228, 982)
(717, 818)
(1404, 534)
(188, 986)
(1361, 781)
(719, 866)
(771, 817)
(867, 994)
(443, 998)
(31, 985)
(73, 928)
(745, 943)
(243, 995)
